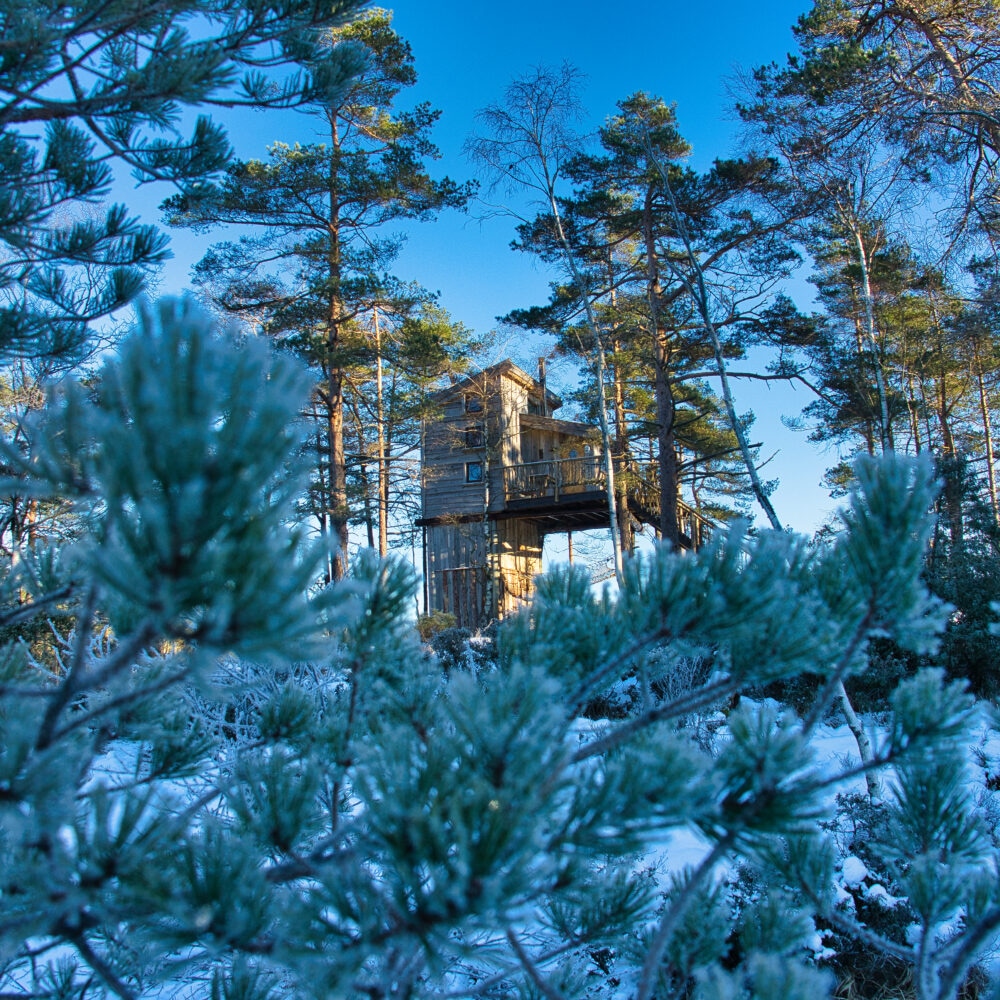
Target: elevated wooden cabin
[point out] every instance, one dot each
(499, 473)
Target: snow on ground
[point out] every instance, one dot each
(682, 848)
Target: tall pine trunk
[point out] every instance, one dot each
(337, 507)
(667, 457)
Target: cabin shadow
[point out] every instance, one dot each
(499, 474)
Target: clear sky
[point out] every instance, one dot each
(466, 53)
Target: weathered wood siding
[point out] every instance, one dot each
(447, 491)
(456, 572)
(477, 578)
(507, 398)
(519, 551)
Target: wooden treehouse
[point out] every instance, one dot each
(499, 474)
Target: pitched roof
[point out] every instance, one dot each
(506, 368)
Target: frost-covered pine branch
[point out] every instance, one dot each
(230, 782)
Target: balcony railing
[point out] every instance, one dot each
(553, 478)
(558, 478)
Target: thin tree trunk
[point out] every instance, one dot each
(860, 341)
(885, 428)
(600, 364)
(911, 409)
(667, 460)
(338, 507)
(984, 410)
(953, 477)
(321, 491)
(363, 478)
(380, 447)
(622, 450)
(863, 743)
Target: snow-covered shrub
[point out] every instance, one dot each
(257, 788)
(462, 649)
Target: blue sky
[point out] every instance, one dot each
(466, 53)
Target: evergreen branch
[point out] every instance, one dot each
(298, 868)
(963, 951)
(100, 966)
(121, 701)
(834, 682)
(693, 702)
(76, 681)
(483, 986)
(126, 652)
(862, 769)
(16, 691)
(546, 988)
(756, 376)
(614, 666)
(73, 683)
(856, 931)
(672, 917)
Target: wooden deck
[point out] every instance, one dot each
(553, 479)
(573, 488)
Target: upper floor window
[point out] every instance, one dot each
(473, 437)
(473, 404)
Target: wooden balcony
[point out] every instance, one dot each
(553, 479)
(576, 486)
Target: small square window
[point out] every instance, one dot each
(473, 404)
(473, 472)
(473, 437)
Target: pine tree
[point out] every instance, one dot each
(685, 261)
(319, 256)
(100, 86)
(924, 76)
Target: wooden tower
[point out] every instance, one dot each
(499, 473)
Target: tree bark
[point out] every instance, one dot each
(984, 410)
(871, 334)
(381, 449)
(667, 458)
(337, 507)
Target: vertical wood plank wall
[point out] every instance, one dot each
(519, 550)
(456, 571)
(460, 565)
